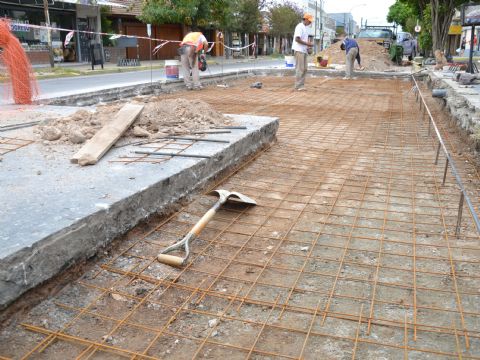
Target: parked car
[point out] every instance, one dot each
(381, 35)
(408, 43)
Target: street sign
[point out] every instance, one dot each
(418, 28)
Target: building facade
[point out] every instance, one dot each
(79, 15)
(344, 23)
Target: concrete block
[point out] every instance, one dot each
(66, 213)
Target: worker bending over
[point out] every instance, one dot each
(191, 45)
(352, 52)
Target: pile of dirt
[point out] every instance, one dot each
(374, 56)
(158, 118)
(177, 116)
(77, 128)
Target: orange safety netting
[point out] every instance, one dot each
(17, 64)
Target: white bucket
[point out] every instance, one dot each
(172, 69)
(289, 61)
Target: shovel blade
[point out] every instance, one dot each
(234, 196)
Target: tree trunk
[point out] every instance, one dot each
(276, 44)
(421, 6)
(442, 15)
(226, 40)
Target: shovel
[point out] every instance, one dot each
(224, 196)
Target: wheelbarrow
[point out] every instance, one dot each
(223, 197)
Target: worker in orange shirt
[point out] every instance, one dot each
(191, 45)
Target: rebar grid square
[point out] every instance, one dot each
(8, 144)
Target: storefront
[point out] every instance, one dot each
(26, 12)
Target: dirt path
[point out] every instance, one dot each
(350, 252)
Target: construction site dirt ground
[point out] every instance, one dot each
(350, 253)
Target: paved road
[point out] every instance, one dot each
(49, 88)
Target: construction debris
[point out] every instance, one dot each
(158, 119)
(107, 136)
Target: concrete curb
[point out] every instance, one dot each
(331, 73)
(122, 92)
(35, 264)
(117, 93)
(462, 102)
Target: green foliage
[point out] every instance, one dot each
(245, 16)
(400, 13)
(283, 18)
(425, 36)
(106, 25)
(189, 12)
(410, 25)
(435, 17)
(233, 15)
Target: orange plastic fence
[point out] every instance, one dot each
(18, 66)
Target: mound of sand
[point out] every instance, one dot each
(374, 57)
(158, 118)
(178, 116)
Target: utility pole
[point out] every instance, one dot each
(316, 24)
(49, 34)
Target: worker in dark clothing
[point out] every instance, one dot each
(352, 52)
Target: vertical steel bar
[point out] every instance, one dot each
(405, 339)
(457, 341)
(445, 172)
(459, 215)
(357, 333)
(438, 153)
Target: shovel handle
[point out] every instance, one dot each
(200, 225)
(170, 260)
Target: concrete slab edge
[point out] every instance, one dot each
(118, 93)
(123, 92)
(462, 102)
(34, 265)
(331, 73)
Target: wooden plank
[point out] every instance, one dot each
(99, 144)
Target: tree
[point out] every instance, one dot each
(441, 14)
(106, 25)
(402, 14)
(283, 18)
(425, 36)
(189, 12)
(246, 16)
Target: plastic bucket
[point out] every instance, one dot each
(172, 69)
(289, 61)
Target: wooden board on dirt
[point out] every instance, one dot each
(99, 144)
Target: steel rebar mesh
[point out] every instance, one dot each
(350, 251)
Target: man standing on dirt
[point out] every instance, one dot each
(191, 45)
(301, 46)
(352, 52)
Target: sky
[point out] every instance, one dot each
(375, 11)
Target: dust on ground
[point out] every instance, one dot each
(158, 118)
(374, 56)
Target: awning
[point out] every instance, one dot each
(109, 3)
(93, 3)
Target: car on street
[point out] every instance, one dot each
(381, 35)
(408, 43)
